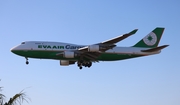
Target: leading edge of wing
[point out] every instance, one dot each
(110, 43)
(119, 38)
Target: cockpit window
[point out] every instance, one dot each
(23, 43)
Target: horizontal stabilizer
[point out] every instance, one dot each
(155, 49)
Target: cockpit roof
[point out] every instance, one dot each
(23, 43)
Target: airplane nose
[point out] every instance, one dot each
(16, 50)
(12, 50)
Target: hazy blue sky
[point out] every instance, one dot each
(152, 80)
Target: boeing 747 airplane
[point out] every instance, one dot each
(84, 55)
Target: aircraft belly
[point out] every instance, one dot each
(42, 55)
(126, 50)
(120, 53)
(114, 57)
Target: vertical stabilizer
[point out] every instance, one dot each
(152, 39)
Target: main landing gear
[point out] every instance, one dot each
(80, 64)
(27, 62)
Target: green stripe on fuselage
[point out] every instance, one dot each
(52, 55)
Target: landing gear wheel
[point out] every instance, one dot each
(82, 63)
(27, 62)
(90, 64)
(79, 65)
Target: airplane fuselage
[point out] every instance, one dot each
(84, 55)
(49, 50)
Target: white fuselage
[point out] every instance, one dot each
(58, 46)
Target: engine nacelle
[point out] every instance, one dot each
(66, 62)
(93, 48)
(68, 54)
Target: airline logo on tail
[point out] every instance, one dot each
(150, 39)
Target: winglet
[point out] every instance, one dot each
(133, 32)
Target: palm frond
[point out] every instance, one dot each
(2, 97)
(18, 99)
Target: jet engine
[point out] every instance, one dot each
(93, 48)
(66, 62)
(68, 54)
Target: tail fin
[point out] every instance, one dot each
(152, 39)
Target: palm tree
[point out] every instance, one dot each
(1, 97)
(17, 99)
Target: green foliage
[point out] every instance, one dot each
(17, 99)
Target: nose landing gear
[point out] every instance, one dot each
(27, 62)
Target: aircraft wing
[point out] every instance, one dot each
(119, 38)
(101, 47)
(106, 45)
(92, 56)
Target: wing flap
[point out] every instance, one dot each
(92, 56)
